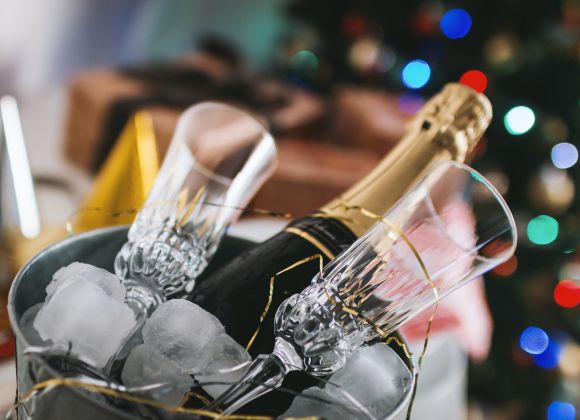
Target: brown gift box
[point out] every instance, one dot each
(310, 175)
(90, 95)
(359, 128)
(367, 119)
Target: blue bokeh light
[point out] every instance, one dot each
(564, 155)
(455, 23)
(416, 74)
(561, 411)
(549, 358)
(534, 340)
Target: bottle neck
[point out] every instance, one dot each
(394, 176)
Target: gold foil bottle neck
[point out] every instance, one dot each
(458, 116)
(448, 126)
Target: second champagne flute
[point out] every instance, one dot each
(449, 229)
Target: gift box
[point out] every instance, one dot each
(90, 95)
(311, 174)
(325, 144)
(354, 118)
(368, 120)
(109, 98)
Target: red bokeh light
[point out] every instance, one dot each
(353, 26)
(521, 358)
(507, 268)
(424, 25)
(567, 294)
(474, 79)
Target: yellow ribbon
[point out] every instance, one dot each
(69, 225)
(104, 390)
(271, 293)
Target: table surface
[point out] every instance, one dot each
(7, 384)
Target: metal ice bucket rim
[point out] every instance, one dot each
(22, 272)
(397, 412)
(13, 316)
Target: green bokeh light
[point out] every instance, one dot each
(542, 230)
(519, 120)
(305, 63)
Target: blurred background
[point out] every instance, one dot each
(336, 82)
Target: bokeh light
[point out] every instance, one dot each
(507, 268)
(551, 190)
(385, 60)
(353, 25)
(410, 103)
(426, 20)
(519, 120)
(564, 155)
(368, 55)
(543, 230)
(554, 128)
(455, 23)
(520, 357)
(549, 358)
(534, 340)
(305, 63)
(498, 179)
(569, 365)
(475, 79)
(363, 53)
(416, 74)
(501, 50)
(570, 270)
(567, 294)
(561, 411)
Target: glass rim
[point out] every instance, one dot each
(495, 194)
(222, 179)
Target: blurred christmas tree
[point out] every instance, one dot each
(525, 56)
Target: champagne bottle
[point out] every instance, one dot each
(447, 127)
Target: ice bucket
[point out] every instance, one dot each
(98, 248)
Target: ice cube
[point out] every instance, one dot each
(315, 402)
(179, 330)
(82, 315)
(109, 282)
(375, 376)
(27, 326)
(145, 366)
(225, 361)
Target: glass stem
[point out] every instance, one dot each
(115, 364)
(265, 372)
(143, 298)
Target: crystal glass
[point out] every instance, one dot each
(452, 227)
(218, 158)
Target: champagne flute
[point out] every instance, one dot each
(218, 158)
(452, 227)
